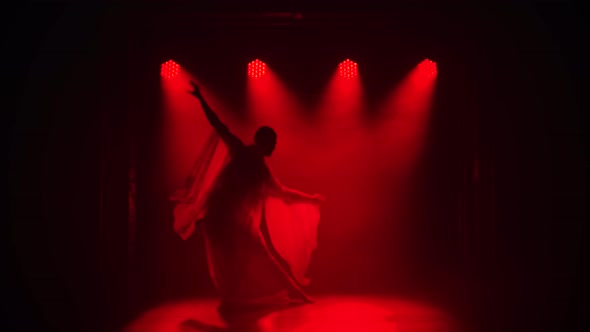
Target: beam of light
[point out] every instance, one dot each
(271, 103)
(256, 69)
(184, 125)
(169, 69)
(323, 156)
(398, 141)
(339, 152)
(405, 117)
(428, 68)
(348, 69)
(338, 133)
(342, 102)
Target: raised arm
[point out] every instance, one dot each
(232, 141)
(292, 195)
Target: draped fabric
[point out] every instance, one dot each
(293, 230)
(191, 199)
(258, 245)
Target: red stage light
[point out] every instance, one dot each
(256, 69)
(348, 69)
(169, 69)
(428, 68)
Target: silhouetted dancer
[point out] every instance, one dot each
(259, 234)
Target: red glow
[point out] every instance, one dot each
(169, 69)
(334, 313)
(343, 97)
(395, 144)
(348, 69)
(356, 170)
(320, 157)
(185, 127)
(407, 112)
(271, 103)
(256, 69)
(428, 68)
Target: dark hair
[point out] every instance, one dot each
(264, 134)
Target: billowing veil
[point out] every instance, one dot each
(292, 227)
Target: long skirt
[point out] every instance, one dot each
(244, 264)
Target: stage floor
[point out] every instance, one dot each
(328, 313)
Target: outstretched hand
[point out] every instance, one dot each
(196, 91)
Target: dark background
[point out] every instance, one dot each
(505, 250)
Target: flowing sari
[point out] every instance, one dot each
(258, 245)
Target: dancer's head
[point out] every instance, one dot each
(265, 140)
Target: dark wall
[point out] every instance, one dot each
(506, 242)
(67, 167)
